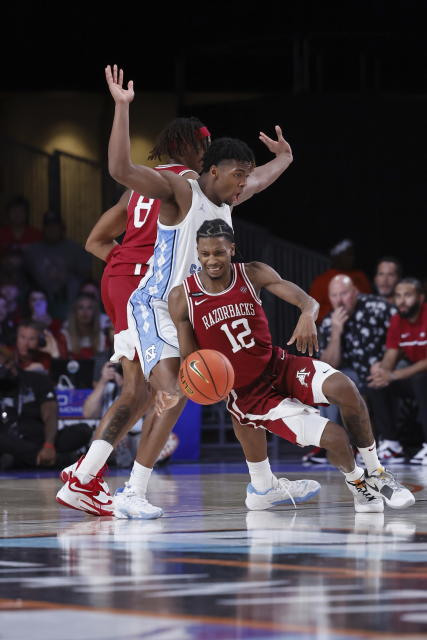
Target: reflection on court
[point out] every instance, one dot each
(209, 568)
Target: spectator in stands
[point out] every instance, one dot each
(407, 341)
(35, 347)
(83, 334)
(7, 326)
(388, 272)
(12, 270)
(351, 338)
(57, 265)
(342, 262)
(91, 287)
(36, 309)
(17, 233)
(9, 290)
(28, 433)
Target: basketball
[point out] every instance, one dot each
(206, 376)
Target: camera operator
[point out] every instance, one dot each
(35, 347)
(29, 433)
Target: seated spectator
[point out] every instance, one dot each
(7, 326)
(35, 347)
(84, 337)
(407, 341)
(91, 287)
(36, 309)
(28, 433)
(12, 270)
(17, 233)
(57, 265)
(342, 262)
(388, 272)
(351, 337)
(10, 291)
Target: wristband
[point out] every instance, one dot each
(49, 445)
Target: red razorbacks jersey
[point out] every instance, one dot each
(131, 256)
(410, 337)
(232, 322)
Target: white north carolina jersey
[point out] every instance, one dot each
(175, 252)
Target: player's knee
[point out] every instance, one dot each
(339, 389)
(334, 438)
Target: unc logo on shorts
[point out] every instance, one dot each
(150, 353)
(194, 268)
(301, 376)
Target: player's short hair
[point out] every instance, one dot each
(415, 283)
(215, 229)
(392, 259)
(178, 135)
(227, 149)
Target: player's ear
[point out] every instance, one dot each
(233, 249)
(214, 171)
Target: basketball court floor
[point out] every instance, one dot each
(209, 568)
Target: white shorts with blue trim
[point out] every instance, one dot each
(154, 333)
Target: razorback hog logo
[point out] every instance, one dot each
(301, 375)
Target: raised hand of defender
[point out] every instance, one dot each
(114, 79)
(276, 146)
(305, 335)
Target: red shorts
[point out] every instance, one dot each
(282, 399)
(115, 293)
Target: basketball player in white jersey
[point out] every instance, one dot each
(216, 192)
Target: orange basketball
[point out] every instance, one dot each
(206, 376)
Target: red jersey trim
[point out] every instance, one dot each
(249, 283)
(220, 293)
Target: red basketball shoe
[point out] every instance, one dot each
(93, 497)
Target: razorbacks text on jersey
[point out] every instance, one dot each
(131, 256)
(232, 322)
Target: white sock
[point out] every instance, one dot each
(262, 477)
(370, 457)
(393, 444)
(354, 475)
(139, 478)
(94, 460)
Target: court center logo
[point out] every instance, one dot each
(301, 376)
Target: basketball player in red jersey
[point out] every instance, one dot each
(219, 308)
(120, 417)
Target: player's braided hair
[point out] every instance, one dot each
(214, 229)
(177, 135)
(227, 149)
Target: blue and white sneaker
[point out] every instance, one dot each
(284, 492)
(383, 484)
(128, 504)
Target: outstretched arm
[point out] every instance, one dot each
(151, 183)
(110, 225)
(263, 176)
(305, 332)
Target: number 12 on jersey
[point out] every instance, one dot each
(238, 341)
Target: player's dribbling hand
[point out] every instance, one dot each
(276, 146)
(164, 401)
(305, 335)
(114, 79)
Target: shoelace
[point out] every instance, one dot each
(363, 489)
(284, 483)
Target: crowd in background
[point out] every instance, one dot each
(51, 314)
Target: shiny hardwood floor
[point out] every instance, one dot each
(209, 568)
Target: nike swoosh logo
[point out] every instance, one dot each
(372, 448)
(80, 489)
(197, 302)
(326, 371)
(193, 366)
